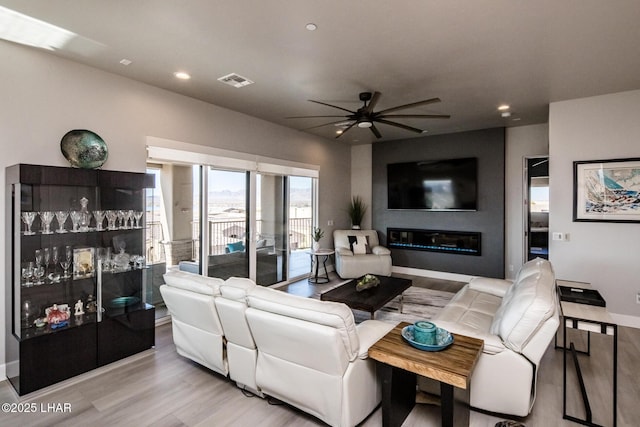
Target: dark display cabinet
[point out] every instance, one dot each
(75, 272)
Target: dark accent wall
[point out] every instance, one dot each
(488, 146)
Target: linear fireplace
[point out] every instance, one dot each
(453, 242)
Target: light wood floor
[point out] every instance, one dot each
(161, 388)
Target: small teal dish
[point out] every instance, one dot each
(84, 149)
(124, 301)
(443, 339)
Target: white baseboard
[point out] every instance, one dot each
(432, 273)
(626, 320)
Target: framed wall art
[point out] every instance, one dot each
(606, 190)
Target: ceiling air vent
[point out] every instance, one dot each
(235, 80)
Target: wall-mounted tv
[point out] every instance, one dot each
(433, 185)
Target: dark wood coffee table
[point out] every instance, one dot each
(371, 299)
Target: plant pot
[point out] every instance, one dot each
(316, 246)
(355, 227)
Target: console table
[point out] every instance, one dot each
(399, 363)
(588, 318)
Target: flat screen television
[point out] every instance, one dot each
(433, 185)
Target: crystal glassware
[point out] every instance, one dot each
(99, 216)
(46, 217)
(120, 214)
(27, 313)
(128, 219)
(61, 216)
(38, 257)
(27, 275)
(46, 257)
(65, 264)
(112, 216)
(39, 273)
(75, 220)
(85, 216)
(28, 218)
(138, 215)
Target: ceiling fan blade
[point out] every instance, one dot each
(312, 117)
(399, 125)
(332, 106)
(372, 103)
(375, 131)
(347, 128)
(416, 116)
(413, 104)
(325, 124)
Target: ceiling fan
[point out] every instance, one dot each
(365, 117)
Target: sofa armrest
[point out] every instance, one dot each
(497, 287)
(369, 332)
(380, 250)
(343, 251)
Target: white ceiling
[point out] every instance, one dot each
(472, 54)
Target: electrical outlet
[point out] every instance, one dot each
(330, 223)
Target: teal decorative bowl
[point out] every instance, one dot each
(84, 149)
(443, 339)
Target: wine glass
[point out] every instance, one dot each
(28, 218)
(27, 275)
(39, 273)
(99, 216)
(38, 257)
(120, 214)
(27, 312)
(75, 219)
(61, 216)
(111, 219)
(128, 219)
(66, 263)
(47, 258)
(138, 215)
(46, 217)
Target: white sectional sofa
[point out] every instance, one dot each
(306, 352)
(517, 321)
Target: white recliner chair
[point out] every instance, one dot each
(242, 353)
(358, 252)
(197, 331)
(312, 355)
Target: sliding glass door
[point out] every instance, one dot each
(271, 243)
(226, 225)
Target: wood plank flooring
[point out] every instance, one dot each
(161, 388)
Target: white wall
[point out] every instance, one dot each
(521, 142)
(604, 254)
(43, 97)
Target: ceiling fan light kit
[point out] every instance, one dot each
(365, 117)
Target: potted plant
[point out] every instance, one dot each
(316, 236)
(356, 211)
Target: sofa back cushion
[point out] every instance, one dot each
(528, 303)
(190, 300)
(232, 305)
(320, 335)
(193, 282)
(341, 237)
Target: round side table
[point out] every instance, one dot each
(321, 255)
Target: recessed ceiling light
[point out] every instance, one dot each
(311, 26)
(182, 75)
(503, 107)
(339, 132)
(125, 61)
(506, 114)
(516, 119)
